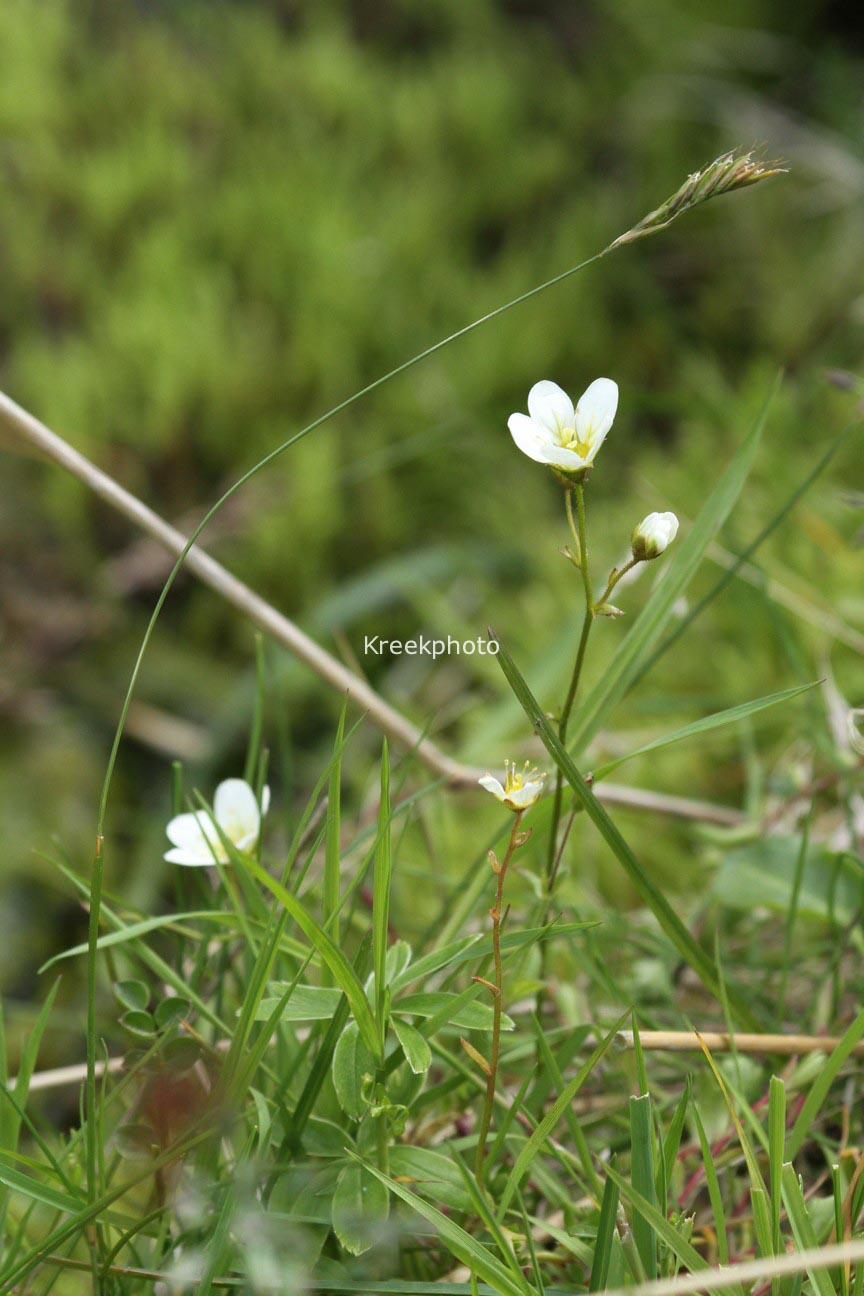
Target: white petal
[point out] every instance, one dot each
(492, 784)
(265, 799)
(530, 437)
(550, 406)
(236, 810)
(525, 796)
(596, 410)
(190, 860)
(187, 830)
(670, 522)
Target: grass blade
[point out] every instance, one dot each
(705, 725)
(642, 1176)
(552, 1117)
(382, 875)
(330, 954)
(605, 1235)
(819, 1089)
(802, 1228)
(463, 1246)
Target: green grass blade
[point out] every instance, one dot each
(332, 844)
(598, 704)
(330, 954)
(819, 1089)
(642, 1176)
(776, 1152)
(672, 1141)
(605, 1235)
(729, 575)
(463, 1246)
(802, 1228)
(715, 1195)
(660, 1226)
(552, 1117)
(705, 725)
(666, 916)
(382, 876)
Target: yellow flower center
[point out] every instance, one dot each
(570, 440)
(513, 782)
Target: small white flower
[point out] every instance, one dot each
(653, 535)
(194, 837)
(855, 729)
(518, 791)
(554, 433)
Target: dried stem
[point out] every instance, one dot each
(396, 726)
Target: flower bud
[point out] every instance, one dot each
(653, 535)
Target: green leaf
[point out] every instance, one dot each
(133, 994)
(599, 702)
(136, 1141)
(417, 1052)
(307, 1003)
(430, 1173)
(138, 1023)
(705, 725)
(763, 874)
(666, 916)
(469, 949)
(361, 1206)
(471, 1016)
(352, 1061)
(170, 1010)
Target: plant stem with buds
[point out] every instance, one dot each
(497, 988)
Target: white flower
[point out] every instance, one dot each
(560, 436)
(518, 791)
(194, 837)
(653, 535)
(854, 726)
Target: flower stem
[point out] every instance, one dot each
(497, 912)
(613, 581)
(552, 860)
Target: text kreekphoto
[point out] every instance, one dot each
(375, 646)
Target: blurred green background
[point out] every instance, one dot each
(217, 220)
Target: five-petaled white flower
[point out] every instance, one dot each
(194, 836)
(554, 433)
(518, 791)
(653, 535)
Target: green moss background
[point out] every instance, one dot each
(217, 220)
